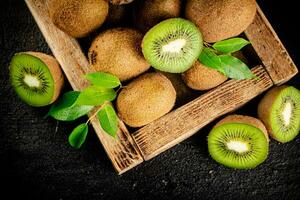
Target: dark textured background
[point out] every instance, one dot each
(37, 161)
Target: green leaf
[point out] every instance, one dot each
(66, 110)
(78, 135)
(95, 96)
(104, 80)
(210, 59)
(108, 120)
(235, 69)
(230, 45)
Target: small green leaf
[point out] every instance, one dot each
(95, 96)
(108, 120)
(210, 59)
(235, 69)
(104, 80)
(230, 45)
(66, 110)
(78, 135)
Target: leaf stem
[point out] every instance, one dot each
(96, 112)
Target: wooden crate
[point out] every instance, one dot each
(132, 149)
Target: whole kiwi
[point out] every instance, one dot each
(146, 99)
(201, 77)
(220, 19)
(78, 17)
(151, 12)
(118, 51)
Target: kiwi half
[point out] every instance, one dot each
(36, 78)
(201, 77)
(239, 142)
(279, 109)
(117, 51)
(151, 12)
(76, 17)
(173, 45)
(220, 19)
(146, 99)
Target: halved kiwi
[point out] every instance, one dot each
(151, 12)
(146, 99)
(172, 45)
(280, 111)
(118, 51)
(220, 19)
(239, 142)
(76, 17)
(36, 78)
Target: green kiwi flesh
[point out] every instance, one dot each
(280, 112)
(238, 145)
(173, 45)
(32, 80)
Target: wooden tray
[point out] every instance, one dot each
(132, 149)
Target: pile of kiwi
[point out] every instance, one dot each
(167, 35)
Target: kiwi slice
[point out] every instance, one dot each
(146, 99)
(219, 19)
(151, 12)
(118, 51)
(76, 17)
(239, 142)
(173, 45)
(36, 78)
(280, 111)
(201, 77)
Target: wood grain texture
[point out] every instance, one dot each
(271, 51)
(183, 122)
(123, 153)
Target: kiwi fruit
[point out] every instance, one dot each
(220, 19)
(78, 18)
(201, 77)
(36, 78)
(145, 99)
(117, 51)
(279, 110)
(239, 142)
(173, 45)
(151, 12)
(120, 2)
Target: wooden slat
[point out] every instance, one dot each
(123, 153)
(271, 51)
(183, 122)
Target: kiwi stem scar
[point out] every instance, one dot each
(238, 146)
(174, 46)
(287, 113)
(31, 81)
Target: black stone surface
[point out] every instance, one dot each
(37, 163)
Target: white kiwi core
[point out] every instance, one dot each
(174, 46)
(287, 113)
(31, 81)
(238, 146)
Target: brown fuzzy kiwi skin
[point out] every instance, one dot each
(201, 77)
(120, 2)
(245, 120)
(145, 99)
(54, 69)
(118, 51)
(265, 106)
(220, 19)
(151, 12)
(76, 17)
